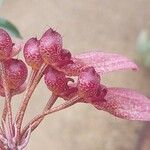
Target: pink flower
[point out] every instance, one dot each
(121, 102)
(73, 78)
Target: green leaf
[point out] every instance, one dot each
(11, 28)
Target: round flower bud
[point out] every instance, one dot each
(32, 54)
(55, 81)
(16, 72)
(50, 46)
(5, 45)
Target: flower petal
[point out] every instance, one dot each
(106, 62)
(126, 104)
(73, 68)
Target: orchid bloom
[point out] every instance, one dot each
(121, 102)
(76, 79)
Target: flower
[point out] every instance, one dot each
(89, 69)
(121, 102)
(73, 78)
(57, 82)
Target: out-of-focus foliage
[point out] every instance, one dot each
(143, 46)
(1, 2)
(7, 25)
(11, 28)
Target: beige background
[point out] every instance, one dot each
(109, 25)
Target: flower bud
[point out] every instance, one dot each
(5, 45)
(32, 54)
(16, 72)
(55, 80)
(50, 46)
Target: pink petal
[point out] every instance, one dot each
(126, 104)
(73, 68)
(106, 62)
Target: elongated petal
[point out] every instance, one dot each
(102, 62)
(106, 62)
(126, 104)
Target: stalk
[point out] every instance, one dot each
(31, 87)
(48, 106)
(7, 107)
(34, 122)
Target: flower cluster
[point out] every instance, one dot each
(76, 79)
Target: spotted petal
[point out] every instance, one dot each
(73, 68)
(106, 62)
(126, 104)
(102, 62)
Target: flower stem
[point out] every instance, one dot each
(50, 102)
(24, 104)
(31, 87)
(7, 107)
(33, 122)
(48, 106)
(4, 114)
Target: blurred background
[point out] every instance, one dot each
(110, 26)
